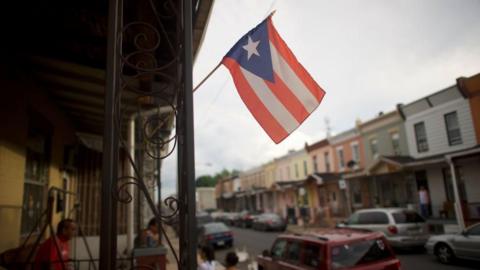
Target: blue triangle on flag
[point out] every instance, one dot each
(260, 65)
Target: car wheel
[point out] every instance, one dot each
(444, 254)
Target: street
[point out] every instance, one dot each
(254, 242)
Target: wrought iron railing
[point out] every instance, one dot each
(150, 65)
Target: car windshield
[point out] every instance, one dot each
(407, 217)
(215, 228)
(358, 253)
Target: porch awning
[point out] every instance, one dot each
(323, 178)
(227, 195)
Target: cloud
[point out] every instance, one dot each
(367, 55)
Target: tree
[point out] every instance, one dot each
(206, 181)
(211, 181)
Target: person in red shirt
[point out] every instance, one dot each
(47, 257)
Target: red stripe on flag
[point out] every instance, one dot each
(287, 98)
(290, 58)
(254, 104)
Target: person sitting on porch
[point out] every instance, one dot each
(424, 200)
(149, 237)
(47, 257)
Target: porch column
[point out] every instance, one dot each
(108, 219)
(458, 205)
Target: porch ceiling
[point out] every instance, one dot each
(79, 91)
(68, 56)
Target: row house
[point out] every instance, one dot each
(269, 196)
(224, 193)
(445, 150)
(432, 142)
(383, 138)
(253, 184)
(323, 185)
(290, 195)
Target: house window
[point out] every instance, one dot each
(315, 165)
(37, 165)
(341, 161)
(288, 172)
(453, 129)
(421, 137)
(305, 168)
(395, 142)
(296, 170)
(374, 147)
(327, 161)
(355, 152)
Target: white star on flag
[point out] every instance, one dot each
(251, 47)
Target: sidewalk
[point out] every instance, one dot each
(291, 228)
(171, 263)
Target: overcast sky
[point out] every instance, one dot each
(367, 55)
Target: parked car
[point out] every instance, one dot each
(215, 234)
(203, 218)
(330, 249)
(229, 218)
(403, 228)
(216, 215)
(463, 245)
(245, 219)
(269, 222)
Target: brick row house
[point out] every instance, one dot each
(432, 142)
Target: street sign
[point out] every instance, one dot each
(342, 184)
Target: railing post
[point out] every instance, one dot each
(108, 228)
(186, 158)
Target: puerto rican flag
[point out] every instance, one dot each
(274, 86)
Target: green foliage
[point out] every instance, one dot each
(211, 181)
(206, 181)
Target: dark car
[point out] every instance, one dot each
(329, 250)
(269, 222)
(215, 234)
(245, 219)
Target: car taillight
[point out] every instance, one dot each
(392, 229)
(228, 234)
(270, 222)
(209, 237)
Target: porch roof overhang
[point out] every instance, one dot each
(472, 152)
(69, 55)
(79, 91)
(289, 184)
(323, 178)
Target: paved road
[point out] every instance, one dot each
(255, 242)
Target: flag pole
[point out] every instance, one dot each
(208, 76)
(220, 63)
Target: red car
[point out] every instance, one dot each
(330, 249)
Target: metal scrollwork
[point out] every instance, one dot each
(148, 83)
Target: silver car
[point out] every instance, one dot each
(464, 245)
(403, 228)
